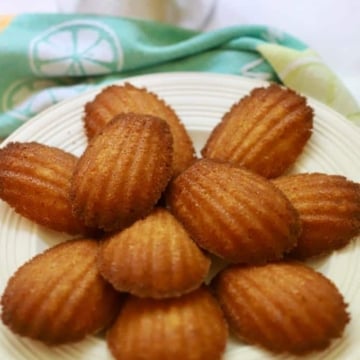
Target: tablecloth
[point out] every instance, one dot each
(46, 58)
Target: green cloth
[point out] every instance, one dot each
(45, 58)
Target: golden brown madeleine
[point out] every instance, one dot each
(190, 327)
(234, 213)
(329, 209)
(154, 257)
(283, 307)
(35, 181)
(123, 171)
(264, 132)
(59, 296)
(126, 98)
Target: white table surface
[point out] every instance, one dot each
(331, 27)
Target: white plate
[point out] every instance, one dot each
(200, 100)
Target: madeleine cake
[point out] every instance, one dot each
(35, 181)
(155, 257)
(123, 172)
(282, 307)
(265, 131)
(117, 99)
(189, 327)
(234, 213)
(59, 296)
(329, 210)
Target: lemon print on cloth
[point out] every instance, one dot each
(76, 48)
(304, 71)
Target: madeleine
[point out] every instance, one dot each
(265, 131)
(329, 210)
(234, 213)
(283, 307)
(35, 180)
(123, 172)
(127, 98)
(59, 296)
(154, 257)
(189, 327)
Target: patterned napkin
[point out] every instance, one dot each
(46, 58)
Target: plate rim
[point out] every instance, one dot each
(88, 93)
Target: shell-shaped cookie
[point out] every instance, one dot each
(116, 99)
(59, 296)
(329, 210)
(123, 171)
(155, 257)
(234, 213)
(265, 131)
(283, 307)
(190, 327)
(35, 181)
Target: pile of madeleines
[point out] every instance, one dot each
(147, 218)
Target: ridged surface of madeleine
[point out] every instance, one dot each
(234, 213)
(35, 181)
(264, 132)
(190, 327)
(283, 307)
(155, 257)
(59, 296)
(123, 171)
(329, 210)
(126, 98)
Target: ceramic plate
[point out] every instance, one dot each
(200, 100)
